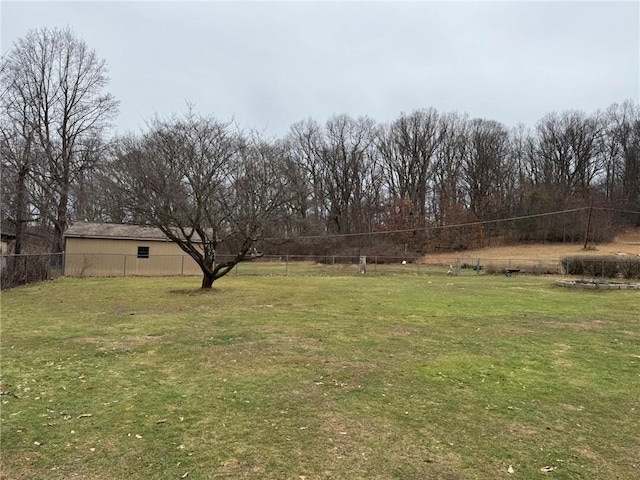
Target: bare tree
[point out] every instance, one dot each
(53, 90)
(16, 145)
(408, 147)
(203, 185)
(448, 200)
(622, 144)
(346, 158)
(486, 168)
(567, 154)
(304, 144)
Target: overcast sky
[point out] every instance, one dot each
(270, 64)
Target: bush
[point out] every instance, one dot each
(629, 267)
(602, 266)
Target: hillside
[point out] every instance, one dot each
(627, 242)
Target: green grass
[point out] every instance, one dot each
(376, 376)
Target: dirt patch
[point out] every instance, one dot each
(586, 452)
(578, 326)
(123, 343)
(196, 291)
(234, 468)
(597, 285)
(520, 430)
(398, 331)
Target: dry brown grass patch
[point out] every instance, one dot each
(127, 343)
(627, 242)
(578, 326)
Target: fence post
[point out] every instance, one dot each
(457, 266)
(362, 264)
(286, 265)
(478, 267)
(124, 266)
(182, 267)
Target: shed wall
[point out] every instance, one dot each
(96, 257)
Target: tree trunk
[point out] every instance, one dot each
(61, 222)
(21, 207)
(207, 280)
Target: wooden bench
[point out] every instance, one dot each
(512, 271)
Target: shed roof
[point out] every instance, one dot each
(114, 231)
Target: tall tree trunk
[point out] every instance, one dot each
(207, 280)
(21, 207)
(61, 223)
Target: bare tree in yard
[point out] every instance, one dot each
(53, 93)
(203, 185)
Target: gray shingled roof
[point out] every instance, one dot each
(114, 230)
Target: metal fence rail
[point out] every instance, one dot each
(21, 269)
(120, 265)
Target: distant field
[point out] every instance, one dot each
(535, 258)
(319, 377)
(627, 243)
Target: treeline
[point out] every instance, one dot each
(429, 169)
(346, 178)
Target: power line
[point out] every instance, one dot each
(436, 227)
(618, 210)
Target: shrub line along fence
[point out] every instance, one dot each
(22, 269)
(624, 266)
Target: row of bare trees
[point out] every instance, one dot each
(199, 178)
(428, 168)
(53, 120)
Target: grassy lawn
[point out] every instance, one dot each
(376, 376)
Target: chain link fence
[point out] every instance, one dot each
(23, 269)
(92, 265)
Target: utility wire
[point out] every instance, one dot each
(437, 227)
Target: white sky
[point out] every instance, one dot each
(270, 64)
